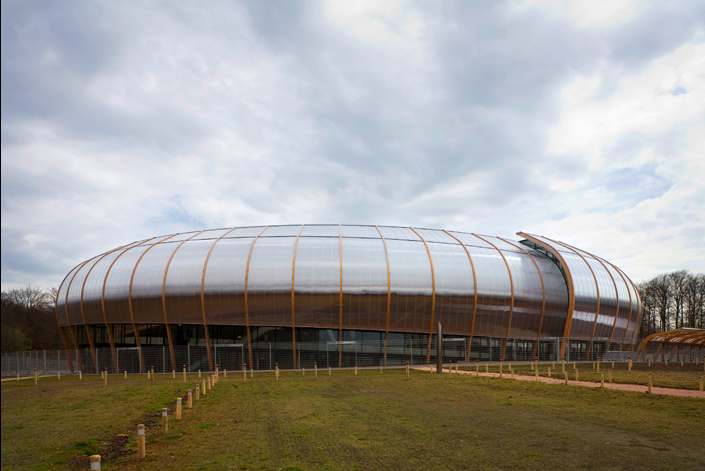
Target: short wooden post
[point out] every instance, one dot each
(190, 399)
(80, 375)
(649, 386)
(602, 380)
(598, 364)
(593, 365)
(609, 376)
(244, 372)
(330, 371)
(355, 370)
(152, 370)
(612, 364)
(203, 388)
(184, 368)
(565, 378)
(629, 363)
(208, 382)
(101, 374)
(649, 363)
(701, 383)
(165, 420)
(252, 373)
(105, 377)
(178, 408)
(36, 377)
(276, 371)
(95, 462)
(681, 362)
(199, 373)
(225, 373)
(141, 445)
(487, 368)
(58, 375)
(303, 371)
(173, 374)
(576, 375)
(549, 371)
(315, 369)
(407, 370)
(198, 392)
(125, 374)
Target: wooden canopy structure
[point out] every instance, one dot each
(676, 339)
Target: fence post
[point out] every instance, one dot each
(701, 383)
(190, 400)
(36, 377)
(203, 388)
(185, 372)
(141, 446)
(315, 369)
(225, 373)
(165, 420)
(198, 392)
(178, 408)
(565, 378)
(95, 462)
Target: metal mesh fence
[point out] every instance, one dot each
(265, 356)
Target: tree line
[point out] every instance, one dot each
(28, 320)
(672, 301)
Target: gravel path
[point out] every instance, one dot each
(588, 384)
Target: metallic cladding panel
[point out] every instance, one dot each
(183, 282)
(61, 296)
(74, 299)
(454, 286)
(269, 284)
(554, 315)
(493, 292)
(411, 285)
(224, 282)
(94, 289)
(317, 281)
(365, 232)
(117, 286)
(147, 283)
(364, 284)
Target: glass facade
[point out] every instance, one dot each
(327, 283)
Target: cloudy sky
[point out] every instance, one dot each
(582, 121)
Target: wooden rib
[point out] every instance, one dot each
(247, 309)
(433, 296)
(293, 311)
(203, 299)
(73, 328)
(543, 293)
(597, 288)
(102, 299)
(569, 281)
(111, 340)
(511, 302)
(340, 311)
(474, 304)
(389, 292)
(166, 323)
(58, 320)
(129, 295)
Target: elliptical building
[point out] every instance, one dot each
(312, 290)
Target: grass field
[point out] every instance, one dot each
(347, 422)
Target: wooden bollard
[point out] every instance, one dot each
(178, 408)
(576, 375)
(152, 370)
(303, 371)
(141, 442)
(609, 376)
(208, 382)
(549, 371)
(602, 380)
(173, 374)
(80, 375)
(125, 374)
(649, 363)
(199, 373)
(276, 371)
(105, 377)
(330, 371)
(58, 375)
(252, 373)
(487, 368)
(225, 373)
(203, 388)
(165, 421)
(701, 383)
(189, 403)
(355, 370)
(681, 362)
(315, 369)
(407, 370)
(575, 366)
(102, 375)
(244, 371)
(565, 378)
(666, 361)
(198, 392)
(612, 364)
(593, 365)
(36, 377)
(95, 462)
(649, 386)
(184, 373)
(477, 367)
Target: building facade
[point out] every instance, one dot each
(303, 289)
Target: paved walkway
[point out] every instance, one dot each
(586, 384)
